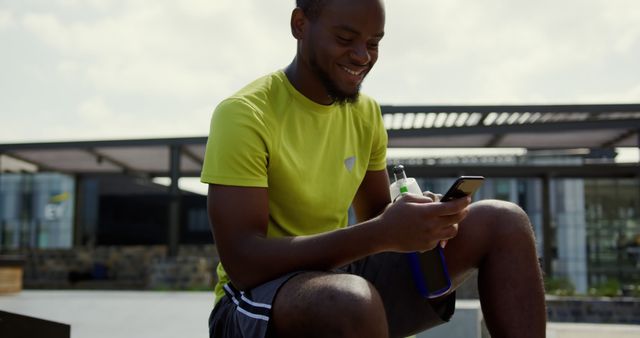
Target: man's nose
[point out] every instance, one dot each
(360, 54)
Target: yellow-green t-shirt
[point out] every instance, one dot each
(311, 157)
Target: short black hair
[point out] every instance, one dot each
(311, 8)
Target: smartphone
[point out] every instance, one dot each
(429, 269)
(463, 186)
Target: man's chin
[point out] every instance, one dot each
(344, 93)
(344, 98)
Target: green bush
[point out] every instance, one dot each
(609, 288)
(562, 286)
(559, 286)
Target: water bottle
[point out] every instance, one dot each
(428, 269)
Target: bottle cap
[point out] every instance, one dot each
(398, 169)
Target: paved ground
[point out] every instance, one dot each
(118, 314)
(124, 314)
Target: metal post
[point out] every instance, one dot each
(27, 232)
(2, 226)
(78, 222)
(547, 230)
(174, 201)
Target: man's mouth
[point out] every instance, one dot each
(354, 72)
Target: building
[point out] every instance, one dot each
(557, 162)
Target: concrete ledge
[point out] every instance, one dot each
(581, 330)
(13, 325)
(467, 322)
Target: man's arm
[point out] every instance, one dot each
(372, 196)
(239, 216)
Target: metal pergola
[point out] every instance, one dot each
(595, 128)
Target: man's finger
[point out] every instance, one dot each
(454, 206)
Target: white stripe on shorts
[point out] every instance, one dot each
(252, 315)
(266, 306)
(244, 311)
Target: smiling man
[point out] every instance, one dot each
(334, 55)
(290, 153)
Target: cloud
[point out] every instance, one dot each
(505, 52)
(95, 4)
(95, 109)
(185, 49)
(6, 19)
(116, 65)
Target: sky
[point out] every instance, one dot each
(112, 69)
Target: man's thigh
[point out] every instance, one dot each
(408, 312)
(328, 304)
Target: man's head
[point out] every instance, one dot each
(311, 8)
(338, 43)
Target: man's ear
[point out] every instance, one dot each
(298, 23)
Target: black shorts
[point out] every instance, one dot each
(247, 314)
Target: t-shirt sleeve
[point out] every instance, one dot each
(237, 150)
(378, 159)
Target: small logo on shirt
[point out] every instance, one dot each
(349, 162)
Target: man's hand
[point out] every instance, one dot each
(419, 223)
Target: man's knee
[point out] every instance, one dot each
(340, 305)
(504, 218)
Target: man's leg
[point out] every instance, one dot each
(497, 239)
(318, 304)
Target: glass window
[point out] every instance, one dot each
(613, 230)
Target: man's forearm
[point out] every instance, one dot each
(253, 260)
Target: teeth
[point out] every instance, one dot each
(351, 71)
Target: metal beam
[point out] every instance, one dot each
(39, 165)
(612, 170)
(621, 137)
(549, 127)
(192, 156)
(560, 108)
(494, 141)
(102, 157)
(108, 143)
(620, 170)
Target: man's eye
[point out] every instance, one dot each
(344, 40)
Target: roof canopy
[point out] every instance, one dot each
(150, 157)
(525, 126)
(531, 127)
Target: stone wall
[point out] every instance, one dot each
(120, 267)
(624, 310)
(593, 310)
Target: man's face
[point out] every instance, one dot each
(342, 45)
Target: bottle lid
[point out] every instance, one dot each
(398, 169)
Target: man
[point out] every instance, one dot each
(290, 153)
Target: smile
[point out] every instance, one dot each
(352, 72)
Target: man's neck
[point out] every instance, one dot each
(304, 81)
